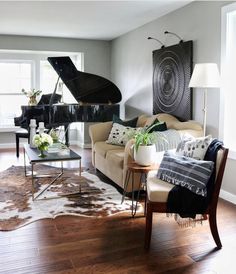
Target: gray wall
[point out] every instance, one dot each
(131, 63)
(131, 58)
(96, 53)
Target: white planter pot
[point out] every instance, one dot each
(145, 156)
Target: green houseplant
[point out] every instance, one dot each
(144, 145)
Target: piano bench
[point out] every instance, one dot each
(21, 133)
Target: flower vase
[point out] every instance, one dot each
(32, 101)
(42, 154)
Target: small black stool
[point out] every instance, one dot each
(21, 133)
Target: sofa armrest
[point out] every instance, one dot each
(99, 132)
(128, 157)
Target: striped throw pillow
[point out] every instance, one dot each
(187, 172)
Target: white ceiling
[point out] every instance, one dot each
(103, 20)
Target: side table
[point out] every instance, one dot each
(133, 168)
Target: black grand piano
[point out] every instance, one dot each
(97, 99)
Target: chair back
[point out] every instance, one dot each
(220, 168)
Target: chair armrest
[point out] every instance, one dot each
(99, 132)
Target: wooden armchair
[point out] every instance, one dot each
(157, 194)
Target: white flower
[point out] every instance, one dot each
(42, 140)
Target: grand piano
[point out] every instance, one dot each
(97, 99)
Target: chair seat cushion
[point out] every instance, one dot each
(157, 190)
(102, 148)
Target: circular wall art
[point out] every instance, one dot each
(172, 67)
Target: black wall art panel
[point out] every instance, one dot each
(172, 69)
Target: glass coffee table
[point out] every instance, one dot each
(61, 156)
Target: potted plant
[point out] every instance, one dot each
(144, 145)
(32, 94)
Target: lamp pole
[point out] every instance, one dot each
(205, 75)
(205, 112)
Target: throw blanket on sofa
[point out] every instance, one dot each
(188, 204)
(168, 139)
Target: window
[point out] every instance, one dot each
(48, 79)
(28, 70)
(13, 76)
(228, 61)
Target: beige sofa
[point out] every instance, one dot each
(112, 160)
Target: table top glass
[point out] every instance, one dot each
(63, 155)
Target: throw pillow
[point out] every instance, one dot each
(187, 172)
(120, 135)
(194, 147)
(128, 123)
(156, 125)
(150, 120)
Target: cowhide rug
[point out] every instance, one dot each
(96, 199)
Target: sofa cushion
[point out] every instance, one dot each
(149, 120)
(116, 157)
(157, 190)
(156, 125)
(128, 123)
(194, 147)
(120, 135)
(168, 118)
(102, 148)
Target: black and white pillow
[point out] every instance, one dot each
(187, 172)
(194, 147)
(120, 134)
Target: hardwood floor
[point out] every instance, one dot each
(115, 244)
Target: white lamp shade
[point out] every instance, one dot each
(205, 75)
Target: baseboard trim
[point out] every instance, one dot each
(79, 144)
(228, 196)
(13, 145)
(8, 145)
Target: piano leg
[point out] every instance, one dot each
(67, 135)
(17, 146)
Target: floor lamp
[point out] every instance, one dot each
(205, 75)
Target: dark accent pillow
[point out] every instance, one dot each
(186, 172)
(160, 126)
(128, 123)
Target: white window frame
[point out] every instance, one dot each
(225, 12)
(33, 57)
(19, 61)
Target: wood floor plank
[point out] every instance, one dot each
(115, 244)
(38, 268)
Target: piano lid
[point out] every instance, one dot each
(85, 87)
